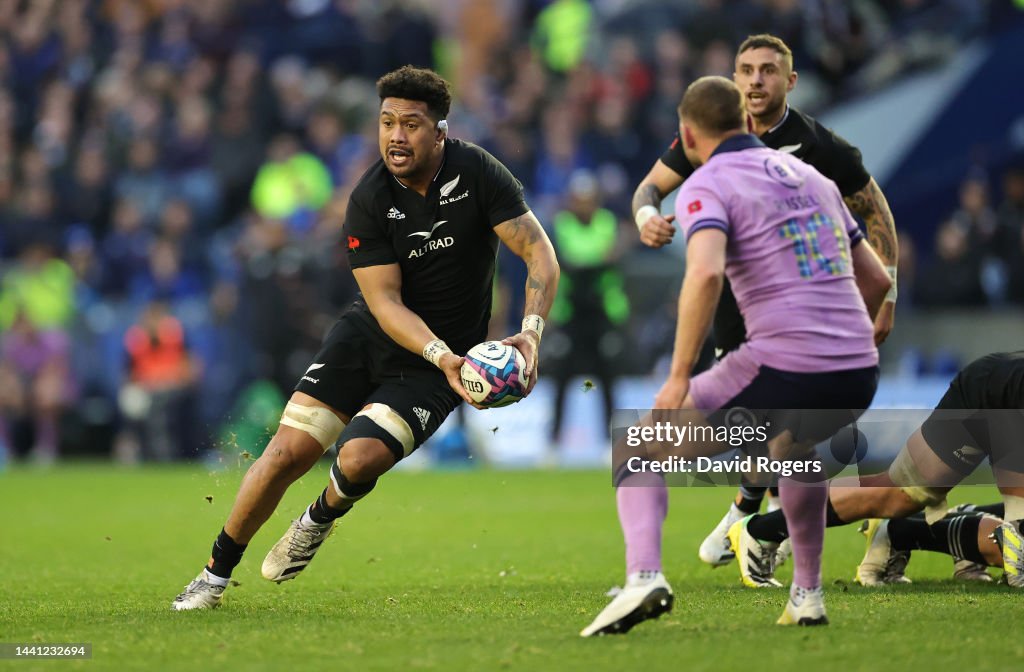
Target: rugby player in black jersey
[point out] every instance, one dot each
(422, 232)
(765, 75)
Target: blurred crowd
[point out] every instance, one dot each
(174, 176)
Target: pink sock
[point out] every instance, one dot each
(643, 504)
(804, 505)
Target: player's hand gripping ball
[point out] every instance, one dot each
(493, 374)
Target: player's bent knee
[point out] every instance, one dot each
(360, 461)
(317, 421)
(381, 422)
(904, 473)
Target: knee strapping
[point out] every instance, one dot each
(394, 425)
(348, 491)
(904, 473)
(317, 421)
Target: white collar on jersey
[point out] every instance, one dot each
(785, 115)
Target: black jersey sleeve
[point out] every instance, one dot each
(845, 163)
(502, 192)
(675, 158)
(367, 239)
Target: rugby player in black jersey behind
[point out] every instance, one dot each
(422, 232)
(765, 75)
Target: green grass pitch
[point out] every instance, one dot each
(474, 570)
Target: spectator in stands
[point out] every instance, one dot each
(35, 385)
(292, 185)
(953, 278)
(144, 182)
(975, 215)
(334, 146)
(125, 250)
(40, 286)
(561, 33)
(84, 191)
(156, 399)
(1010, 236)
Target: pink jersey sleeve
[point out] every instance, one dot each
(699, 207)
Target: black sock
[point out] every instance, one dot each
(225, 556)
(321, 512)
(769, 527)
(956, 536)
(772, 526)
(750, 497)
(832, 518)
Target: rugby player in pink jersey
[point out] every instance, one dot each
(808, 292)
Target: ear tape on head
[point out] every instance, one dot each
(442, 126)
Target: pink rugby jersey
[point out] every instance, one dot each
(787, 258)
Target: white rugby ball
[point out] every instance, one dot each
(493, 374)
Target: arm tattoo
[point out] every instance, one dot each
(646, 194)
(526, 238)
(536, 291)
(870, 204)
(525, 229)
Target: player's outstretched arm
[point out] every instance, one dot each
(382, 289)
(656, 230)
(873, 280)
(702, 287)
(870, 204)
(526, 238)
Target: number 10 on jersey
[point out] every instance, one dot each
(804, 234)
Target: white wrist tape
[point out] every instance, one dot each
(434, 350)
(891, 295)
(643, 214)
(534, 322)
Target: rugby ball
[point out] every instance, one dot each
(493, 374)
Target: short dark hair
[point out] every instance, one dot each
(765, 40)
(412, 83)
(714, 104)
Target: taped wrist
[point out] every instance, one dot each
(434, 350)
(644, 213)
(534, 323)
(892, 293)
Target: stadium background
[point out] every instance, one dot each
(180, 169)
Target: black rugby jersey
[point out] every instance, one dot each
(444, 243)
(994, 381)
(805, 138)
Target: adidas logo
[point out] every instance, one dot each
(393, 213)
(424, 416)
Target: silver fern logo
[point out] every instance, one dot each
(449, 187)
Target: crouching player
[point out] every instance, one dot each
(979, 417)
